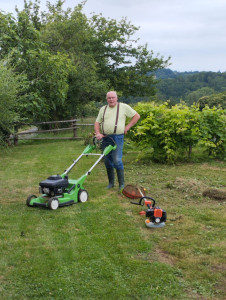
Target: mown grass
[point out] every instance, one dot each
(101, 249)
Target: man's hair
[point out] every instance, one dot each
(112, 92)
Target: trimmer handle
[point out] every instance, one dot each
(144, 200)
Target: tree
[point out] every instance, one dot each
(10, 83)
(193, 97)
(69, 32)
(106, 46)
(213, 100)
(190, 87)
(95, 55)
(121, 60)
(46, 94)
(47, 74)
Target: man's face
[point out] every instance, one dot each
(112, 99)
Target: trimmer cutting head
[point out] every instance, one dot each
(133, 191)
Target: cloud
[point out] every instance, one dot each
(192, 32)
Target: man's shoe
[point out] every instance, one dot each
(110, 186)
(111, 178)
(120, 189)
(120, 174)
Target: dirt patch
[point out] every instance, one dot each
(129, 213)
(206, 166)
(221, 287)
(192, 187)
(196, 188)
(219, 268)
(165, 257)
(158, 255)
(218, 194)
(195, 296)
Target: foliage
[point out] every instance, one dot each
(69, 32)
(47, 91)
(169, 132)
(194, 96)
(47, 74)
(190, 87)
(213, 134)
(94, 54)
(89, 109)
(115, 49)
(213, 100)
(18, 36)
(10, 83)
(168, 73)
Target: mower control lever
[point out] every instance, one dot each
(73, 186)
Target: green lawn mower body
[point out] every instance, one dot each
(57, 190)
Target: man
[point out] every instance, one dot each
(111, 122)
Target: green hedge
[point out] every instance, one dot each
(169, 133)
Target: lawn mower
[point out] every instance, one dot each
(155, 216)
(57, 190)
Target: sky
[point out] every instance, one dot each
(191, 32)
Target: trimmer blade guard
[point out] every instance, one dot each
(133, 191)
(154, 225)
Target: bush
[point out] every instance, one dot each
(171, 132)
(212, 127)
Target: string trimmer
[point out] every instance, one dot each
(155, 216)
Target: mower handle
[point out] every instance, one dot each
(108, 149)
(111, 146)
(88, 151)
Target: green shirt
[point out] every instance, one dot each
(110, 118)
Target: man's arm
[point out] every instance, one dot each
(132, 122)
(98, 135)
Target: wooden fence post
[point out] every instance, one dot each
(74, 128)
(15, 136)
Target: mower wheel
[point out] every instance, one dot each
(83, 195)
(53, 203)
(29, 198)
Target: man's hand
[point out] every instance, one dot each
(133, 121)
(99, 136)
(126, 129)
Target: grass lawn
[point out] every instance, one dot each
(101, 249)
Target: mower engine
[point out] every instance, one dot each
(53, 185)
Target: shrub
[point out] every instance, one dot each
(171, 132)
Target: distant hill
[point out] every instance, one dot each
(188, 86)
(168, 73)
